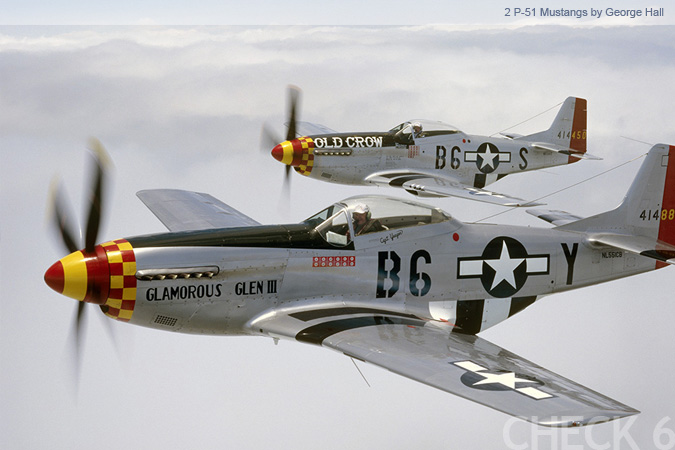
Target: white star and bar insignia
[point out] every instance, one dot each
(503, 267)
(487, 157)
(479, 377)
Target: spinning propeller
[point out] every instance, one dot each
(78, 274)
(272, 140)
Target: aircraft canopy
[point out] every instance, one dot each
(337, 224)
(407, 132)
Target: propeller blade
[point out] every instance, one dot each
(78, 319)
(60, 217)
(78, 337)
(287, 182)
(63, 220)
(110, 331)
(96, 195)
(293, 99)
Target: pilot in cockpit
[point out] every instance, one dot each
(417, 129)
(363, 222)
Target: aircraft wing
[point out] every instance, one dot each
(465, 365)
(184, 210)
(427, 185)
(311, 129)
(642, 245)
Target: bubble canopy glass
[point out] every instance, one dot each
(407, 132)
(334, 223)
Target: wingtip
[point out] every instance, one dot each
(581, 420)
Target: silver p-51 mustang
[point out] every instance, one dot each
(395, 283)
(431, 159)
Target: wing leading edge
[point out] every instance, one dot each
(474, 368)
(184, 210)
(426, 185)
(465, 365)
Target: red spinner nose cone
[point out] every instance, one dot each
(54, 277)
(278, 152)
(82, 276)
(294, 153)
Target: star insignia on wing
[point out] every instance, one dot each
(477, 376)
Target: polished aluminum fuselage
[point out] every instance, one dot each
(433, 272)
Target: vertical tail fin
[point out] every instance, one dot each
(568, 130)
(648, 209)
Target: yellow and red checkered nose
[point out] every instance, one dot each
(287, 153)
(82, 276)
(293, 153)
(106, 277)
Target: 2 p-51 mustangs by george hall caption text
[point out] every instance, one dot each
(583, 13)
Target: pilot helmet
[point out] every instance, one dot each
(362, 209)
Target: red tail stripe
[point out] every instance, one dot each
(667, 224)
(578, 138)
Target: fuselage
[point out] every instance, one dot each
(445, 152)
(472, 160)
(466, 276)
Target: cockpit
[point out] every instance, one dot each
(341, 223)
(407, 132)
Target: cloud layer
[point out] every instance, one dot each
(183, 107)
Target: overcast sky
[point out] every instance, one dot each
(182, 107)
(323, 12)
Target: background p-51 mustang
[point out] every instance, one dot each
(409, 295)
(432, 159)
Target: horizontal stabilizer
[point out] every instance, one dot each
(563, 150)
(511, 135)
(642, 245)
(554, 217)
